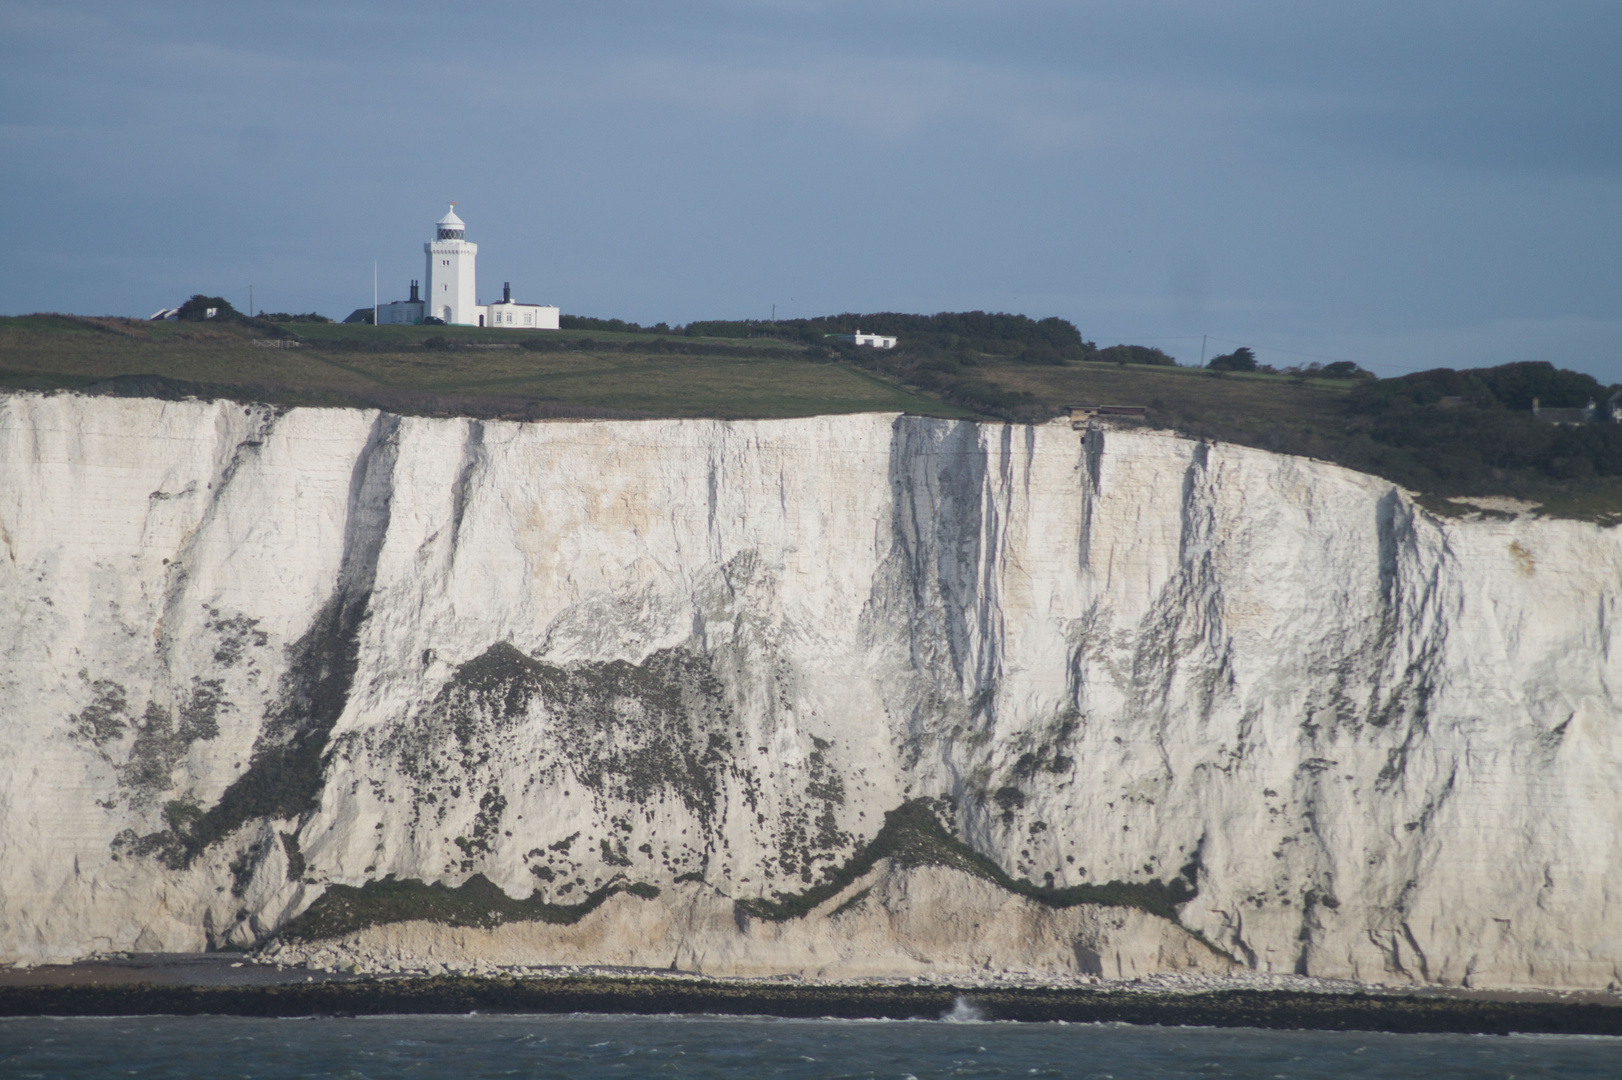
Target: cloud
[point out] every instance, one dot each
(901, 99)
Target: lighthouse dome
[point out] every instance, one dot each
(450, 226)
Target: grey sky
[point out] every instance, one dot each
(1404, 184)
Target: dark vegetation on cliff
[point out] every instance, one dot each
(1446, 433)
(913, 835)
(344, 909)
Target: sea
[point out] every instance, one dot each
(591, 1047)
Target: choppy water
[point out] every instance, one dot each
(593, 1047)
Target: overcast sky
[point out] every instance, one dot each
(1406, 184)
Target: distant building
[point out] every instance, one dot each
(875, 340)
(450, 272)
(859, 338)
(508, 312)
(1081, 414)
(400, 312)
(448, 294)
(1563, 416)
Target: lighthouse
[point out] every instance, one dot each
(450, 294)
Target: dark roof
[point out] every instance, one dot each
(1564, 416)
(1111, 410)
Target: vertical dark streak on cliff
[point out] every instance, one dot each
(263, 420)
(1198, 462)
(1187, 613)
(1089, 463)
(1094, 443)
(1385, 524)
(1191, 596)
(1419, 953)
(1410, 641)
(900, 577)
(285, 775)
(1197, 582)
(903, 529)
(462, 492)
(1092, 460)
(714, 480)
(1313, 777)
(995, 517)
(1380, 712)
(937, 478)
(965, 528)
(930, 584)
(1030, 459)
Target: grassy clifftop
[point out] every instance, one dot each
(451, 369)
(456, 369)
(1448, 434)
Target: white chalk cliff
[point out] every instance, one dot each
(247, 655)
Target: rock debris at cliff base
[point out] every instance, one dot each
(251, 655)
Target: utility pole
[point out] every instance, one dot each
(250, 301)
(374, 289)
(1202, 349)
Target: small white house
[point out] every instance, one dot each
(509, 314)
(402, 312)
(877, 341)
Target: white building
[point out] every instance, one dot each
(171, 314)
(449, 290)
(875, 340)
(400, 313)
(450, 273)
(509, 313)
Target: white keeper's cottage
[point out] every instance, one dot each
(448, 293)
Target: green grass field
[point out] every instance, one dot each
(1248, 403)
(595, 373)
(462, 369)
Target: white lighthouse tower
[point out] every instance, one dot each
(449, 295)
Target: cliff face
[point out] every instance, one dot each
(248, 655)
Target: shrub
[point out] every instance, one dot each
(1132, 354)
(199, 305)
(582, 322)
(284, 317)
(1241, 359)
